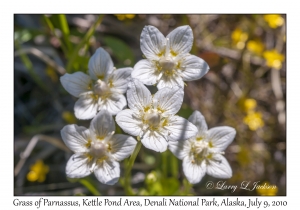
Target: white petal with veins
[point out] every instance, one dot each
(86, 107)
(181, 39)
(75, 137)
(155, 141)
(218, 167)
(100, 64)
(76, 83)
(199, 121)
(128, 122)
(170, 82)
(114, 103)
(153, 42)
(221, 137)
(193, 68)
(193, 172)
(169, 100)
(180, 129)
(144, 70)
(120, 79)
(79, 166)
(138, 95)
(102, 125)
(108, 172)
(122, 146)
(180, 149)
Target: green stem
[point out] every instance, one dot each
(65, 30)
(164, 164)
(187, 187)
(85, 39)
(28, 64)
(52, 29)
(127, 185)
(89, 186)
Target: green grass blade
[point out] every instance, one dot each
(85, 39)
(65, 30)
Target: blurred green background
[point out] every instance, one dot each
(245, 89)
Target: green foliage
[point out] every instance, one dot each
(120, 50)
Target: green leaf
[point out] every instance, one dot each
(65, 30)
(170, 185)
(185, 111)
(84, 41)
(121, 51)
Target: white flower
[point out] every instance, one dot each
(97, 149)
(203, 153)
(168, 60)
(103, 88)
(153, 117)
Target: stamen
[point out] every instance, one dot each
(159, 76)
(101, 88)
(109, 135)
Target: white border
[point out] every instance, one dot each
(8, 8)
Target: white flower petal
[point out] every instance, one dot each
(100, 64)
(168, 100)
(75, 137)
(79, 166)
(128, 122)
(107, 171)
(75, 83)
(180, 129)
(193, 68)
(138, 95)
(144, 70)
(181, 40)
(194, 172)
(221, 137)
(152, 42)
(120, 79)
(170, 82)
(180, 149)
(102, 125)
(122, 146)
(86, 107)
(218, 167)
(199, 121)
(154, 141)
(114, 103)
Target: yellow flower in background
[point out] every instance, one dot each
(37, 172)
(69, 117)
(274, 59)
(267, 189)
(254, 120)
(249, 104)
(239, 38)
(274, 21)
(255, 46)
(50, 72)
(125, 16)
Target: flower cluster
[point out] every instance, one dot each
(150, 118)
(253, 118)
